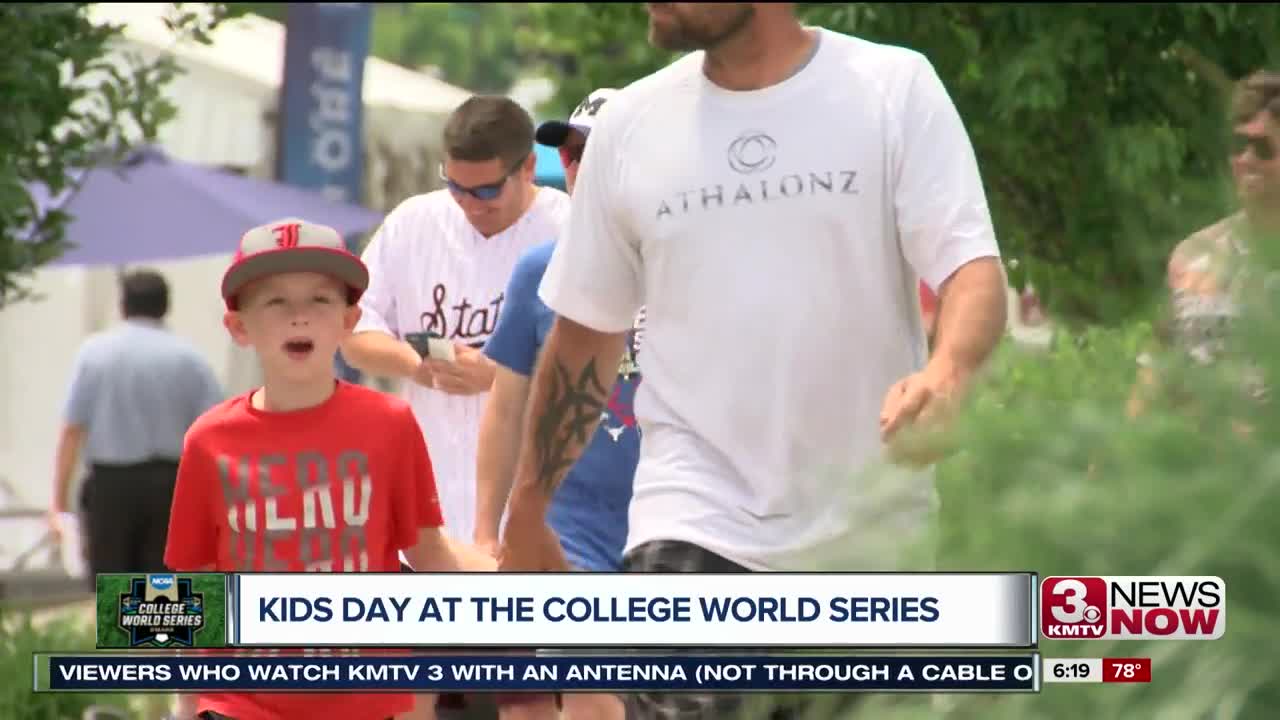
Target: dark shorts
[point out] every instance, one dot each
(126, 516)
(672, 556)
(668, 556)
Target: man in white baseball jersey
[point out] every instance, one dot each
(773, 199)
(439, 264)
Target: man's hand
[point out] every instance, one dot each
(472, 559)
(921, 403)
(972, 314)
(530, 545)
(470, 373)
(70, 440)
(423, 374)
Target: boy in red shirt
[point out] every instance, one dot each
(307, 473)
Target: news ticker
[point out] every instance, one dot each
(1020, 673)
(599, 610)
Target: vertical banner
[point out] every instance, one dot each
(321, 144)
(321, 120)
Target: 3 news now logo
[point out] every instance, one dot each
(1133, 608)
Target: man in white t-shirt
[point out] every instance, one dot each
(773, 200)
(439, 264)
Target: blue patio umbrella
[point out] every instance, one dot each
(153, 207)
(548, 170)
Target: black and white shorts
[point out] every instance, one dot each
(673, 556)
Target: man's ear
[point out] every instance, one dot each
(234, 323)
(529, 168)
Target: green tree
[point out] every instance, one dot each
(585, 46)
(1100, 128)
(67, 107)
(472, 44)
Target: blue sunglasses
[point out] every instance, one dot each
(481, 192)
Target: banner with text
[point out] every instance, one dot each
(321, 140)
(625, 610)
(622, 674)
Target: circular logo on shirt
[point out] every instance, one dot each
(752, 152)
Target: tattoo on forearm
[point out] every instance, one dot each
(568, 419)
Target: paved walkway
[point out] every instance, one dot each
(80, 612)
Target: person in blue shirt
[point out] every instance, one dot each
(589, 510)
(135, 389)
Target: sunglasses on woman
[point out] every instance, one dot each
(487, 192)
(1263, 148)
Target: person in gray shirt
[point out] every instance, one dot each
(134, 391)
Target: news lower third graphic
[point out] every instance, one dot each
(161, 610)
(605, 610)
(152, 672)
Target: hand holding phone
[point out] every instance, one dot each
(431, 345)
(449, 368)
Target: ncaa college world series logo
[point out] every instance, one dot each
(161, 611)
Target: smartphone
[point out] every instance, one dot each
(431, 345)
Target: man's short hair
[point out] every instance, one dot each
(487, 127)
(144, 294)
(1257, 92)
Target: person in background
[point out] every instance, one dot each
(439, 264)
(1207, 273)
(135, 390)
(589, 512)
(807, 180)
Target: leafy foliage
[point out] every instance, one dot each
(68, 105)
(1100, 129)
(472, 45)
(20, 637)
(589, 46)
(1054, 478)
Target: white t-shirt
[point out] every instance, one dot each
(776, 238)
(431, 270)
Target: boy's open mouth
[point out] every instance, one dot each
(299, 348)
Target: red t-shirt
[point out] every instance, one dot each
(341, 487)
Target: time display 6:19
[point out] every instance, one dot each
(1071, 670)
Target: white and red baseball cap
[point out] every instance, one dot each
(293, 245)
(554, 133)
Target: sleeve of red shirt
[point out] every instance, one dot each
(416, 503)
(193, 518)
(928, 301)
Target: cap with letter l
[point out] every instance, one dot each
(554, 133)
(293, 245)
